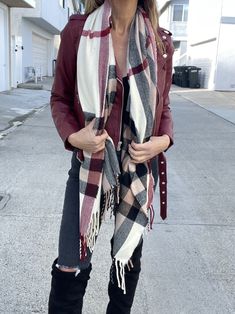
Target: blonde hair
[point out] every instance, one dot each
(150, 8)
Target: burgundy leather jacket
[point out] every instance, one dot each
(66, 109)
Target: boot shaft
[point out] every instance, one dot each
(67, 290)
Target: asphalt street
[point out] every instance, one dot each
(188, 259)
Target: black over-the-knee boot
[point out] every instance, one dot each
(121, 303)
(67, 291)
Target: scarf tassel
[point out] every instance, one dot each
(151, 218)
(110, 200)
(83, 248)
(120, 274)
(88, 240)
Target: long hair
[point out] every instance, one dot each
(150, 8)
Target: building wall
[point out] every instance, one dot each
(201, 55)
(28, 29)
(4, 48)
(203, 38)
(164, 19)
(21, 52)
(46, 20)
(18, 27)
(178, 29)
(45, 14)
(204, 17)
(225, 61)
(210, 44)
(52, 12)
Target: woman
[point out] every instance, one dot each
(110, 106)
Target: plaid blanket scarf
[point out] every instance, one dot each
(129, 190)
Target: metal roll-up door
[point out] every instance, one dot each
(40, 53)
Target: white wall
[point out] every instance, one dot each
(228, 8)
(225, 62)
(225, 66)
(164, 20)
(203, 56)
(203, 32)
(53, 13)
(211, 45)
(160, 3)
(4, 48)
(45, 11)
(204, 18)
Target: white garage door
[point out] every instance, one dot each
(40, 53)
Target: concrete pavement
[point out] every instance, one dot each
(18, 104)
(188, 259)
(218, 102)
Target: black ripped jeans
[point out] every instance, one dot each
(69, 247)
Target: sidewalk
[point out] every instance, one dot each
(220, 103)
(18, 104)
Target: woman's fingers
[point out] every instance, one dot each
(91, 124)
(97, 148)
(140, 147)
(99, 142)
(140, 152)
(136, 153)
(141, 159)
(103, 137)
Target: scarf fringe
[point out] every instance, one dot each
(83, 248)
(120, 274)
(109, 205)
(151, 217)
(93, 230)
(89, 240)
(110, 200)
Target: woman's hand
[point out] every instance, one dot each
(143, 152)
(86, 139)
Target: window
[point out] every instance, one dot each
(180, 13)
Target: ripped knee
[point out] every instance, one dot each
(68, 269)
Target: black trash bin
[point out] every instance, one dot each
(181, 76)
(193, 76)
(184, 76)
(177, 75)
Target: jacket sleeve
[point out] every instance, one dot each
(166, 123)
(63, 90)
